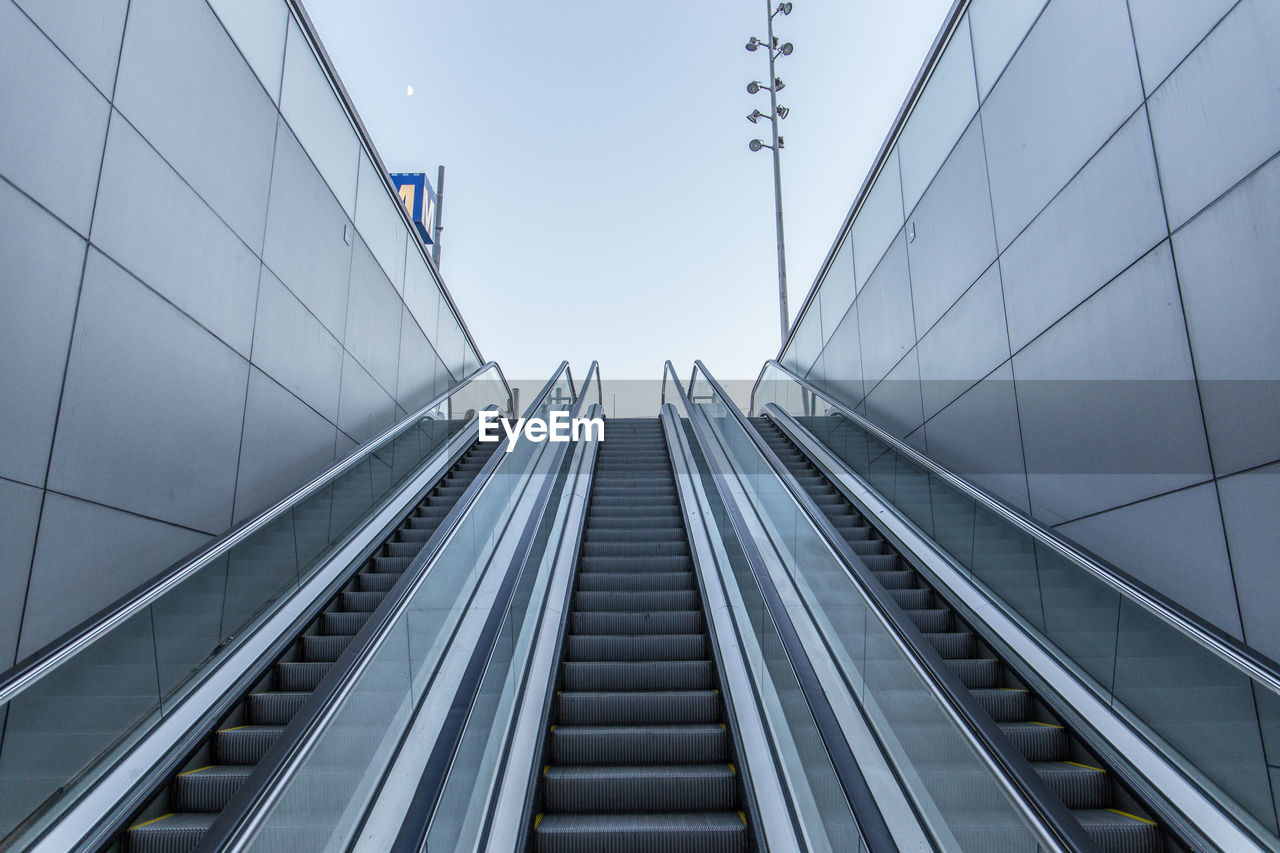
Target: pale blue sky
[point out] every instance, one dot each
(600, 199)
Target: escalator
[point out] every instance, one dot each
(638, 753)
(179, 814)
(1108, 811)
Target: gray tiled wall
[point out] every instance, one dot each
(207, 292)
(1062, 283)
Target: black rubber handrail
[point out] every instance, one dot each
(866, 811)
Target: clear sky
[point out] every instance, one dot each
(600, 198)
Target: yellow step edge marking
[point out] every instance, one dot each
(546, 769)
(149, 822)
(553, 728)
(1046, 725)
(1134, 816)
(1085, 766)
(537, 820)
(232, 729)
(742, 817)
(1015, 689)
(197, 770)
(722, 725)
(733, 769)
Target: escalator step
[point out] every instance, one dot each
(361, 602)
(664, 788)
(391, 564)
(170, 833)
(636, 601)
(208, 789)
(1038, 741)
(614, 548)
(651, 622)
(954, 644)
(633, 529)
(635, 581)
(912, 599)
(1005, 705)
(376, 581)
(244, 744)
(682, 563)
(615, 708)
(896, 579)
(275, 708)
(1080, 786)
(401, 549)
(931, 621)
(600, 523)
(706, 832)
(639, 675)
(324, 647)
(683, 744)
(342, 623)
(977, 672)
(882, 562)
(301, 675)
(1119, 832)
(645, 647)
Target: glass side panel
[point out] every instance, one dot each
(962, 803)
(344, 766)
(817, 796)
(1207, 716)
(71, 726)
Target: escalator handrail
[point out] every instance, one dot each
(857, 791)
(1243, 658)
(308, 724)
(43, 662)
(436, 773)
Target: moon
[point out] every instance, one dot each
(409, 90)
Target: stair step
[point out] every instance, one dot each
(1038, 741)
(652, 707)
(637, 601)
(643, 788)
(1080, 786)
(244, 744)
(208, 789)
(601, 745)
(172, 832)
(275, 708)
(700, 832)
(641, 647)
(650, 622)
(639, 675)
(635, 581)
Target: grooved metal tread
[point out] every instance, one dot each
(1085, 788)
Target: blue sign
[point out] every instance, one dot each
(419, 200)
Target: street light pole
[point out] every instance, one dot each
(776, 113)
(777, 180)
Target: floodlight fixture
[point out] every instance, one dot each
(784, 8)
(755, 116)
(756, 145)
(753, 43)
(786, 49)
(783, 112)
(753, 87)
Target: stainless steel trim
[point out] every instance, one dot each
(36, 667)
(762, 779)
(509, 812)
(1191, 810)
(1227, 648)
